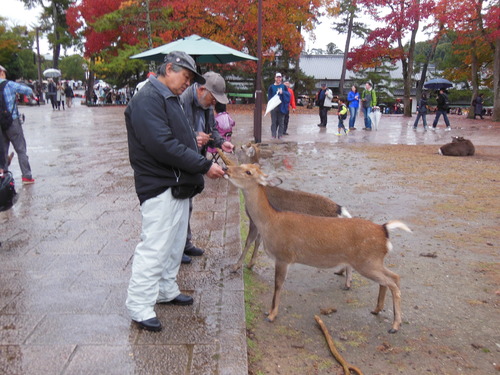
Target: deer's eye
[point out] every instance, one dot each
(249, 173)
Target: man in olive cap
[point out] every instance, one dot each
(168, 171)
(198, 102)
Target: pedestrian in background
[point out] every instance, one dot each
(369, 100)
(52, 93)
(277, 114)
(324, 100)
(443, 105)
(14, 133)
(478, 106)
(60, 97)
(69, 94)
(353, 100)
(421, 111)
(342, 115)
(292, 105)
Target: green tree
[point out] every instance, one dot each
(16, 53)
(53, 23)
(346, 13)
(72, 67)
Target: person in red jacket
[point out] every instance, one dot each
(292, 105)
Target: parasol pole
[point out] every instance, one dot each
(257, 118)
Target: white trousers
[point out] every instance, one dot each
(158, 256)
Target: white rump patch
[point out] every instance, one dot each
(389, 246)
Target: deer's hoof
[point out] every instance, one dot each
(345, 287)
(374, 312)
(392, 330)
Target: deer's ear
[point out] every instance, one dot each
(273, 181)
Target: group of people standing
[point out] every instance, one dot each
(58, 94)
(366, 101)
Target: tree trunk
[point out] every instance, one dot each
(496, 82)
(430, 57)
(346, 49)
(408, 84)
(56, 48)
(474, 79)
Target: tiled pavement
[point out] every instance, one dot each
(66, 254)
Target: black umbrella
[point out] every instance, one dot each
(438, 83)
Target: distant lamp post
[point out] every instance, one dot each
(39, 67)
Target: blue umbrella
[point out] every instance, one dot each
(202, 50)
(438, 83)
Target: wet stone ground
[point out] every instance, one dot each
(67, 248)
(449, 266)
(66, 255)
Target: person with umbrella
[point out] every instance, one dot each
(52, 93)
(443, 104)
(14, 133)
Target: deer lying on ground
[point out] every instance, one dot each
(322, 242)
(459, 146)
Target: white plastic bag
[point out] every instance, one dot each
(273, 103)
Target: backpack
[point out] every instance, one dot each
(446, 104)
(344, 116)
(8, 195)
(5, 114)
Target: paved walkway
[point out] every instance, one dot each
(67, 248)
(66, 255)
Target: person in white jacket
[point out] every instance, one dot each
(324, 99)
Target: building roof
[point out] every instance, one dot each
(328, 68)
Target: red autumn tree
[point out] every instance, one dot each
(230, 22)
(395, 40)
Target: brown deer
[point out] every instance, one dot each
(322, 242)
(459, 146)
(296, 201)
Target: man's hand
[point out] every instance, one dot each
(215, 171)
(202, 139)
(227, 147)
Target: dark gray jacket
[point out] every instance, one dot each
(162, 145)
(194, 111)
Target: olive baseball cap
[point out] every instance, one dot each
(182, 59)
(216, 85)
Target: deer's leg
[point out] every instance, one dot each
(255, 251)
(253, 234)
(348, 277)
(380, 300)
(396, 299)
(386, 279)
(279, 278)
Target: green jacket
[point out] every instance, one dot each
(374, 97)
